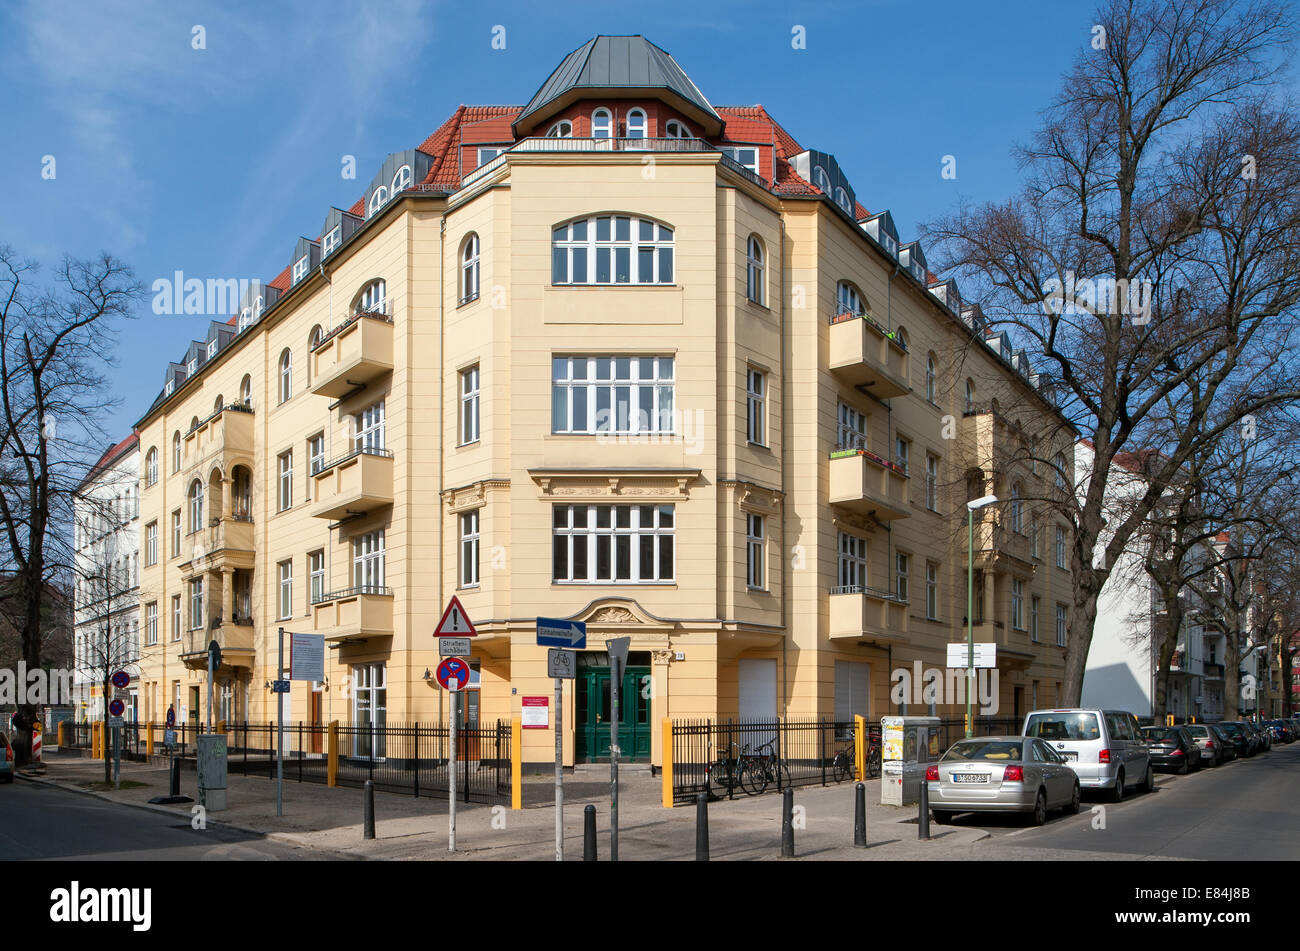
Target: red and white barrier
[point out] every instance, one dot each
(36, 743)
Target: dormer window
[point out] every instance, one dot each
(487, 153)
(167, 390)
(402, 180)
(212, 349)
(636, 124)
(842, 199)
(676, 130)
(822, 180)
(602, 124)
(561, 130)
(331, 240)
(299, 269)
(748, 157)
(245, 318)
(377, 200)
(191, 366)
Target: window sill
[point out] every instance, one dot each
(470, 587)
(475, 442)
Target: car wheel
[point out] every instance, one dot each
(1185, 768)
(942, 818)
(1117, 794)
(1040, 809)
(1075, 800)
(1149, 781)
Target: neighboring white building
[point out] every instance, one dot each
(1122, 662)
(107, 577)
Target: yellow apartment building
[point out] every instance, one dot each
(620, 356)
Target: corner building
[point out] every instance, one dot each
(619, 356)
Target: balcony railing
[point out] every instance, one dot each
(352, 592)
(360, 611)
(859, 611)
(354, 353)
(357, 482)
(225, 434)
(865, 354)
(867, 483)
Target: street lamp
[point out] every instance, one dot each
(971, 506)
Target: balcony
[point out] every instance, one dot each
(357, 352)
(357, 483)
(361, 612)
(227, 542)
(865, 483)
(1213, 671)
(998, 548)
(860, 612)
(221, 439)
(235, 640)
(863, 354)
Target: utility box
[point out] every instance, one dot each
(211, 763)
(907, 746)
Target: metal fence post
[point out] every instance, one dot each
(821, 735)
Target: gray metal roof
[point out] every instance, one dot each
(614, 62)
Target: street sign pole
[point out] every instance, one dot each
(209, 689)
(559, 770)
(279, 733)
(451, 778)
(617, 649)
(117, 756)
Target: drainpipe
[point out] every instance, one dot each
(785, 485)
(442, 462)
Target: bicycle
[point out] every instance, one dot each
(843, 763)
(728, 772)
(766, 768)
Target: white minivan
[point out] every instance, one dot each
(1104, 747)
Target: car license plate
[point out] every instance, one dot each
(970, 777)
(1069, 754)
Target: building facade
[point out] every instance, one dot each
(619, 356)
(106, 579)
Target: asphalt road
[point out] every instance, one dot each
(42, 822)
(1246, 809)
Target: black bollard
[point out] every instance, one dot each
(702, 827)
(175, 778)
(589, 834)
(787, 823)
(368, 811)
(860, 815)
(923, 820)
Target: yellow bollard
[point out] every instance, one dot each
(148, 739)
(667, 768)
(332, 769)
(516, 763)
(860, 747)
(63, 742)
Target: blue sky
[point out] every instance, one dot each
(214, 161)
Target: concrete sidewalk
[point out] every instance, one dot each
(748, 828)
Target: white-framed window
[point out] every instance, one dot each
(469, 262)
(285, 494)
(852, 567)
(931, 591)
(176, 452)
(246, 390)
(402, 180)
(151, 467)
(316, 576)
(613, 544)
(300, 268)
(969, 405)
(636, 124)
(469, 548)
(487, 153)
(612, 249)
(932, 482)
(842, 199)
(369, 690)
(755, 285)
(212, 349)
(176, 617)
(151, 623)
(331, 240)
(196, 604)
(756, 405)
(1017, 604)
(755, 551)
(561, 130)
(316, 453)
(612, 395)
(602, 124)
(151, 543)
(1033, 618)
(1060, 624)
(822, 180)
(901, 565)
(1033, 538)
(745, 156)
(902, 452)
(368, 562)
(469, 405)
(285, 605)
(1060, 547)
(373, 298)
(368, 426)
(377, 200)
(169, 388)
(849, 300)
(1059, 464)
(675, 129)
(1017, 509)
(192, 367)
(176, 532)
(196, 505)
(852, 428)
(931, 375)
(286, 375)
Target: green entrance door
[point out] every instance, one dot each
(595, 700)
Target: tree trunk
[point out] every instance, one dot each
(1078, 641)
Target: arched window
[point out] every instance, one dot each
(900, 338)
(842, 199)
(822, 180)
(469, 259)
(602, 124)
(176, 451)
(259, 305)
(373, 298)
(245, 318)
(969, 408)
(931, 373)
(561, 130)
(313, 338)
(1017, 515)
(636, 124)
(377, 200)
(754, 270)
(196, 505)
(612, 249)
(286, 375)
(246, 390)
(850, 300)
(217, 404)
(402, 180)
(151, 466)
(676, 130)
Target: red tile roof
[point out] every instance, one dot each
(281, 281)
(110, 455)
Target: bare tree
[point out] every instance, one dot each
(1153, 258)
(54, 343)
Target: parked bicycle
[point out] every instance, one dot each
(766, 768)
(727, 772)
(843, 765)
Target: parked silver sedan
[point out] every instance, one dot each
(1001, 774)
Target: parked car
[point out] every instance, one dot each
(1244, 740)
(1281, 729)
(1214, 747)
(1172, 748)
(1001, 774)
(6, 759)
(1228, 749)
(1105, 748)
(1264, 737)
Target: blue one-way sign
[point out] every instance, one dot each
(553, 632)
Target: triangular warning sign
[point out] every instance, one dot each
(455, 622)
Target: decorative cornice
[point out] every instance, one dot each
(465, 497)
(640, 485)
(751, 495)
